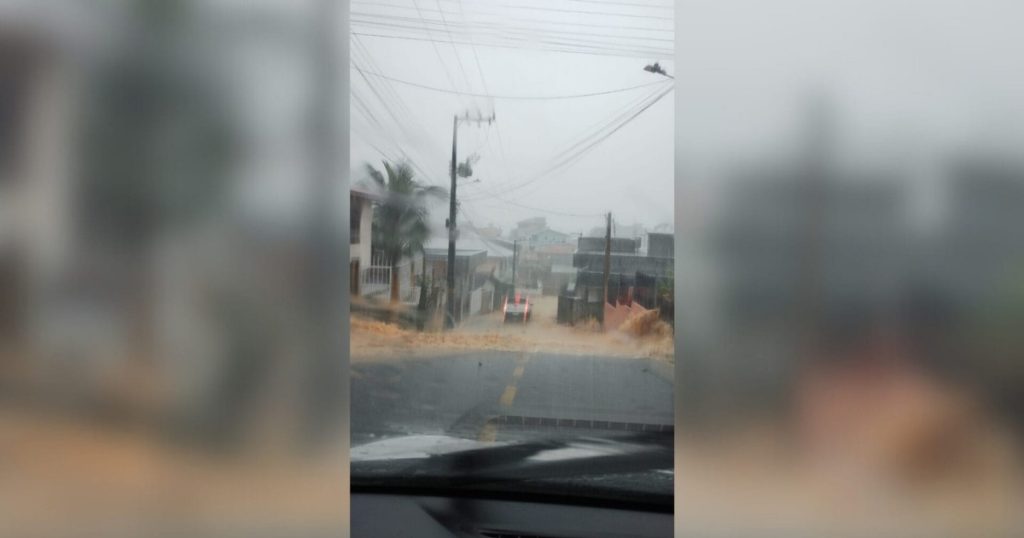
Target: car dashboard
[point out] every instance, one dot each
(433, 516)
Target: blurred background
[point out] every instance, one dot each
(171, 333)
(850, 268)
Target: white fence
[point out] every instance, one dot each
(376, 279)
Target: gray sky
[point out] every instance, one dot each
(630, 173)
(905, 75)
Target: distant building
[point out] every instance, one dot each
(483, 270)
(632, 277)
(490, 232)
(547, 237)
(631, 231)
(528, 227)
(661, 245)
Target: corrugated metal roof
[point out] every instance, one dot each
(469, 241)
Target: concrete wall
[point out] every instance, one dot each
(616, 315)
(622, 263)
(475, 301)
(661, 245)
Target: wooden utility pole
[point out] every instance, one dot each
(515, 253)
(450, 288)
(452, 231)
(607, 263)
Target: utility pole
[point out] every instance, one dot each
(515, 252)
(607, 263)
(452, 230)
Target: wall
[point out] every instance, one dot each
(475, 301)
(616, 315)
(366, 230)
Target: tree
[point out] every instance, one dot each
(400, 225)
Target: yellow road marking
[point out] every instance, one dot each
(508, 396)
(490, 430)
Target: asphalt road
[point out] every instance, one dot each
(496, 396)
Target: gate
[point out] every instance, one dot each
(375, 279)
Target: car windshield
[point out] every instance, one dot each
(512, 283)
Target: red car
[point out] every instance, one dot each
(517, 308)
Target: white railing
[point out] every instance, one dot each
(376, 279)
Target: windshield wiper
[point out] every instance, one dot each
(636, 453)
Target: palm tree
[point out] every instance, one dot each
(400, 222)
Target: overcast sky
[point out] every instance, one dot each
(910, 79)
(629, 173)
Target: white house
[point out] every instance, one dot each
(360, 234)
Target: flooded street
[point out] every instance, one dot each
(371, 340)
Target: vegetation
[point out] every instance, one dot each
(400, 227)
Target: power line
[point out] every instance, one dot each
(626, 122)
(532, 36)
(532, 22)
(394, 94)
(480, 70)
(586, 149)
(584, 12)
(564, 158)
(387, 108)
(636, 4)
(600, 126)
(467, 26)
(454, 50)
(387, 133)
(444, 66)
(399, 102)
(536, 8)
(512, 97)
(595, 51)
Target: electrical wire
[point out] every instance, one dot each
(455, 51)
(523, 35)
(594, 51)
(511, 97)
(601, 125)
(405, 23)
(505, 18)
(568, 156)
(537, 8)
(423, 22)
(636, 4)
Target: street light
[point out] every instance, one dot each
(655, 68)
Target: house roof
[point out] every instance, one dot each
(469, 241)
(362, 192)
(435, 251)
